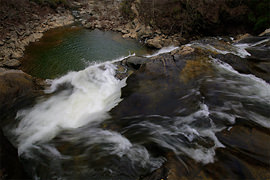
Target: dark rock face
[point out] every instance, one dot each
(238, 63)
(135, 62)
(15, 85)
(165, 76)
(10, 165)
(156, 87)
(248, 147)
(17, 90)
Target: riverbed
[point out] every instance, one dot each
(177, 116)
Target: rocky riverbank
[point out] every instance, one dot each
(23, 22)
(33, 21)
(106, 15)
(151, 23)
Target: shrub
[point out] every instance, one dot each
(259, 15)
(125, 9)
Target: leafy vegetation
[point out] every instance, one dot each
(126, 9)
(259, 15)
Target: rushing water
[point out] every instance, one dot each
(80, 131)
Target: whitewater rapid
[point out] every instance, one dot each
(77, 99)
(88, 96)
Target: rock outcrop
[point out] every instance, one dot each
(103, 15)
(17, 90)
(17, 30)
(10, 165)
(159, 85)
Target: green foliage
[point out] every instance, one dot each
(259, 15)
(125, 9)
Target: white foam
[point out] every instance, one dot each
(260, 42)
(168, 136)
(238, 49)
(203, 155)
(94, 91)
(162, 51)
(246, 45)
(251, 87)
(229, 117)
(256, 84)
(241, 50)
(116, 144)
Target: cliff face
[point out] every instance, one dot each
(195, 17)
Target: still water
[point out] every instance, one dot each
(75, 48)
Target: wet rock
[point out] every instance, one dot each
(155, 42)
(16, 85)
(228, 166)
(260, 69)
(259, 53)
(195, 68)
(11, 63)
(150, 87)
(10, 165)
(263, 67)
(122, 71)
(134, 62)
(251, 39)
(236, 62)
(265, 33)
(17, 90)
(246, 141)
(183, 50)
(241, 37)
(159, 174)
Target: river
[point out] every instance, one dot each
(92, 125)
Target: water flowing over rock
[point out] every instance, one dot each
(157, 90)
(17, 90)
(198, 111)
(182, 112)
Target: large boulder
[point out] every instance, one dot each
(15, 84)
(155, 42)
(17, 90)
(10, 165)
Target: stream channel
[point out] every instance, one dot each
(92, 125)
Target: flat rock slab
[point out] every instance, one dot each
(11, 63)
